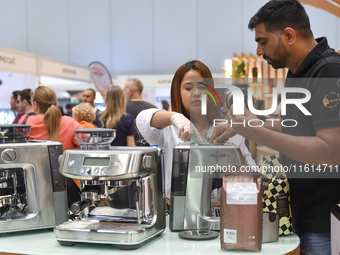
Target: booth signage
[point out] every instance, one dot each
(16, 62)
(57, 69)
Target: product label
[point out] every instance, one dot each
(229, 236)
(214, 196)
(282, 207)
(215, 211)
(241, 193)
(265, 182)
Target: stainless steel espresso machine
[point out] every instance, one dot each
(196, 167)
(122, 200)
(32, 191)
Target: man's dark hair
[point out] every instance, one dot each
(15, 94)
(70, 106)
(279, 14)
(165, 105)
(93, 91)
(25, 94)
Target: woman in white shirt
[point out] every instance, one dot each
(185, 122)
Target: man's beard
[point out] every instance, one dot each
(281, 55)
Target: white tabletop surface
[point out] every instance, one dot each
(44, 242)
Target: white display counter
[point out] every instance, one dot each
(44, 242)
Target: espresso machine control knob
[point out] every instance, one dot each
(147, 161)
(71, 163)
(59, 159)
(9, 155)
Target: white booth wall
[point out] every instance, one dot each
(140, 36)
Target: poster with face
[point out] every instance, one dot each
(100, 77)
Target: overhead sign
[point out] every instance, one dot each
(18, 62)
(58, 69)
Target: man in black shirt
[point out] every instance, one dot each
(284, 37)
(133, 89)
(134, 103)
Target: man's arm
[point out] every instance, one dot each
(222, 132)
(324, 148)
(273, 124)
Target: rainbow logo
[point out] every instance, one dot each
(208, 92)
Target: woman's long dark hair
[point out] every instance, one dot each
(176, 99)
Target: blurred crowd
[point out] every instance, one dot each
(49, 121)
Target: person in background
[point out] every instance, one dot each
(25, 103)
(185, 122)
(15, 107)
(61, 110)
(89, 96)
(133, 89)
(84, 114)
(115, 117)
(165, 105)
(48, 124)
(69, 109)
(284, 38)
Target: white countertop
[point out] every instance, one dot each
(44, 242)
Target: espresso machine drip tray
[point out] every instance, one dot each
(106, 213)
(92, 225)
(99, 228)
(123, 235)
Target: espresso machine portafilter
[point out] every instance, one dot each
(122, 200)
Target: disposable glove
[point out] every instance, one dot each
(185, 128)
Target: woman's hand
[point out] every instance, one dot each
(185, 128)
